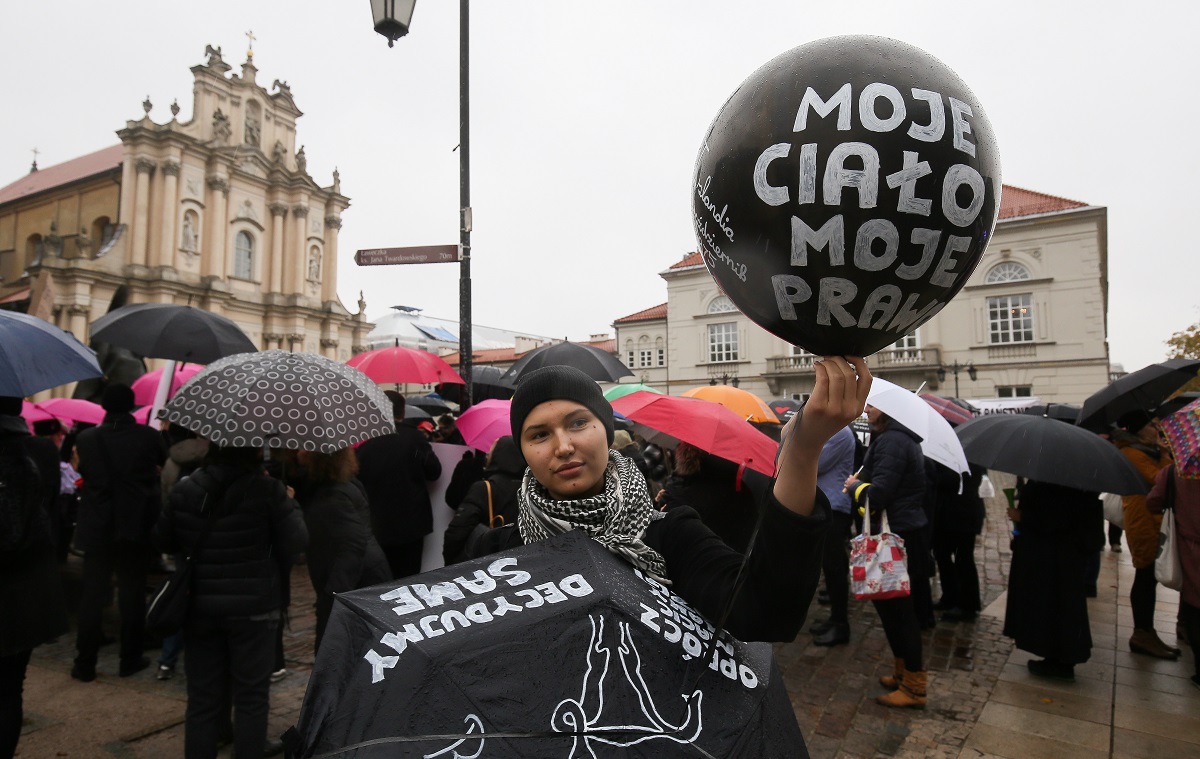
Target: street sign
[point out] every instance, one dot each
(421, 254)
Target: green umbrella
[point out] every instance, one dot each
(620, 391)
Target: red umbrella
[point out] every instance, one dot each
(707, 425)
(398, 365)
(145, 386)
(485, 423)
(950, 411)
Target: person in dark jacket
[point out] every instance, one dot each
(342, 553)
(253, 525)
(32, 607)
(958, 520)
(119, 461)
(395, 470)
(468, 471)
(491, 501)
(725, 495)
(1046, 612)
(563, 427)
(892, 481)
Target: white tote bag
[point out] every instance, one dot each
(1167, 569)
(1114, 509)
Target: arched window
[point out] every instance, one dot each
(243, 256)
(721, 305)
(1006, 271)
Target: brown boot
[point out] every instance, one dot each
(910, 695)
(892, 682)
(1147, 642)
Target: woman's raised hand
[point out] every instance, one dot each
(838, 399)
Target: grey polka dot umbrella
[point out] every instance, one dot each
(280, 399)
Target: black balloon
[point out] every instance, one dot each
(845, 192)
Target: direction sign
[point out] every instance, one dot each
(421, 254)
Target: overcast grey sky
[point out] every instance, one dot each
(586, 117)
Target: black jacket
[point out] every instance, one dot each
(781, 575)
(727, 506)
(504, 476)
(895, 469)
(962, 512)
(395, 471)
(256, 530)
(342, 553)
(120, 498)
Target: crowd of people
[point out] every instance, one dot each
(129, 498)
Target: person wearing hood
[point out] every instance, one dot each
(119, 461)
(491, 501)
(893, 476)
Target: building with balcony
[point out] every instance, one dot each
(1031, 321)
(218, 211)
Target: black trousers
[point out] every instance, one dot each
(955, 556)
(1190, 617)
(223, 656)
(12, 686)
(1142, 597)
(835, 563)
(405, 558)
(128, 562)
(899, 615)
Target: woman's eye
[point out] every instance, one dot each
(579, 424)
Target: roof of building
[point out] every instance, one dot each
(64, 173)
(1016, 202)
(646, 314)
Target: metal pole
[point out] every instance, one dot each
(464, 201)
(956, 395)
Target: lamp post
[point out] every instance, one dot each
(392, 19)
(956, 368)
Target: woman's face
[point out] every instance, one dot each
(566, 447)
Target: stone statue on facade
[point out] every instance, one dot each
(83, 242)
(362, 303)
(279, 152)
(314, 266)
(187, 242)
(222, 129)
(337, 180)
(253, 128)
(214, 55)
(301, 161)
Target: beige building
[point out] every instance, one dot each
(1031, 321)
(219, 212)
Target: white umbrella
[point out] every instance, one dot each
(938, 440)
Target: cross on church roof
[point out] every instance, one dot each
(33, 168)
(250, 39)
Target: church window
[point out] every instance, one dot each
(243, 256)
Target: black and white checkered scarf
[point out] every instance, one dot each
(616, 517)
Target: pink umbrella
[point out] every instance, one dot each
(74, 410)
(485, 423)
(145, 386)
(32, 412)
(399, 365)
(142, 415)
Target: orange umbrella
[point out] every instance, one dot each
(744, 403)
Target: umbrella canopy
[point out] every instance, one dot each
(744, 403)
(1182, 433)
(1064, 412)
(1142, 390)
(557, 649)
(938, 441)
(785, 408)
(282, 400)
(670, 419)
(950, 411)
(620, 391)
(485, 423)
(36, 355)
(416, 413)
(172, 331)
(74, 410)
(1171, 405)
(486, 382)
(601, 366)
(1049, 450)
(430, 404)
(145, 386)
(398, 365)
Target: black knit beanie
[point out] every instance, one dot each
(552, 383)
(117, 399)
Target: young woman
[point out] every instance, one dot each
(564, 426)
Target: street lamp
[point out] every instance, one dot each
(392, 19)
(956, 368)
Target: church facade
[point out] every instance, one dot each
(219, 212)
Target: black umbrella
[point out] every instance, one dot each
(557, 649)
(281, 399)
(785, 408)
(172, 331)
(1047, 450)
(1142, 390)
(430, 405)
(487, 382)
(36, 355)
(1171, 405)
(600, 365)
(1064, 412)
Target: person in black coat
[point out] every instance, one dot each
(725, 495)
(395, 470)
(892, 481)
(1058, 528)
(119, 461)
(342, 553)
(564, 426)
(32, 607)
(491, 502)
(254, 528)
(959, 518)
